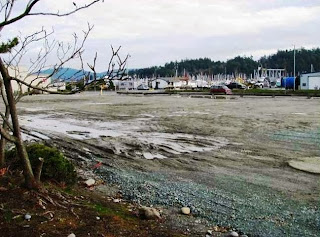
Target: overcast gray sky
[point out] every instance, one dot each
(154, 32)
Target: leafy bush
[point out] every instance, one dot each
(55, 167)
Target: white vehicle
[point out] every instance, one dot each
(262, 84)
(142, 87)
(259, 85)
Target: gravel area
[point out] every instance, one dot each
(226, 159)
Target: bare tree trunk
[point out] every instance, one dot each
(3, 141)
(2, 152)
(21, 150)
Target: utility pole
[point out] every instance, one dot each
(176, 67)
(294, 67)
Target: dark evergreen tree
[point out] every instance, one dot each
(282, 59)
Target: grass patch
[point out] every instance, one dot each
(113, 210)
(312, 93)
(8, 215)
(277, 92)
(206, 90)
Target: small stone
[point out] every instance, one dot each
(185, 210)
(27, 217)
(149, 213)
(233, 234)
(116, 200)
(72, 235)
(209, 232)
(3, 189)
(90, 182)
(98, 218)
(243, 235)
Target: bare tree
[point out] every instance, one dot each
(15, 50)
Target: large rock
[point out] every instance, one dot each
(90, 182)
(233, 234)
(185, 210)
(307, 164)
(149, 213)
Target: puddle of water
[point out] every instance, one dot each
(33, 135)
(35, 109)
(26, 137)
(71, 127)
(150, 156)
(102, 103)
(201, 113)
(39, 135)
(147, 115)
(132, 130)
(184, 113)
(298, 113)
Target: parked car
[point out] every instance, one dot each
(236, 85)
(259, 85)
(221, 89)
(264, 84)
(143, 87)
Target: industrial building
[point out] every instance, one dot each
(310, 81)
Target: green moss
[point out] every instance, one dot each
(117, 210)
(55, 167)
(102, 209)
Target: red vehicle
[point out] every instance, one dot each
(220, 90)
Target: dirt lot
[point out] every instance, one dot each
(227, 159)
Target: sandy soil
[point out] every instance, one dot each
(235, 150)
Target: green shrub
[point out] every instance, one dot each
(55, 167)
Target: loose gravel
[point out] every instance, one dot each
(246, 207)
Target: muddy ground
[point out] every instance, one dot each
(227, 159)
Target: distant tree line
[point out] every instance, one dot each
(282, 59)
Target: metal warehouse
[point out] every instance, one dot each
(310, 81)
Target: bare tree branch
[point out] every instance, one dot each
(27, 11)
(19, 17)
(64, 14)
(7, 136)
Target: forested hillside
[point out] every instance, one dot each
(282, 59)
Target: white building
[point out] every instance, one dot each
(159, 83)
(176, 82)
(127, 85)
(310, 81)
(21, 73)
